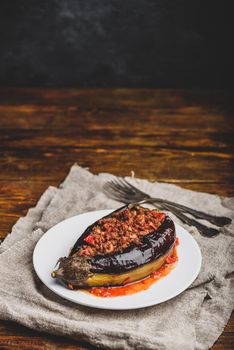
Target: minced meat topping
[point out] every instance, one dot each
(116, 233)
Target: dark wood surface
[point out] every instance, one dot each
(183, 137)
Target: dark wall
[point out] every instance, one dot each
(91, 43)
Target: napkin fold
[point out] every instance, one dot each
(192, 320)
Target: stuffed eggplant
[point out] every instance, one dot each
(123, 247)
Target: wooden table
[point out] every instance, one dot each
(183, 137)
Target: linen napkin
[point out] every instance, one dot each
(192, 320)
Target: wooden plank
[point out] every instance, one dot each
(15, 200)
(140, 98)
(56, 116)
(47, 163)
(117, 137)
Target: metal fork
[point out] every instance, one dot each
(121, 190)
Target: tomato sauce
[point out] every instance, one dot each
(141, 285)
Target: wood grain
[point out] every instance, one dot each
(184, 137)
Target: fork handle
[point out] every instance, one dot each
(204, 230)
(216, 220)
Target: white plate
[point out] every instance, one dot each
(59, 240)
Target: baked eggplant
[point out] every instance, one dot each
(123, 247)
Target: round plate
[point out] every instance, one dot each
(59, 240)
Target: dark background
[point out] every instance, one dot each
(110, 43)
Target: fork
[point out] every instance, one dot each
(121, 190)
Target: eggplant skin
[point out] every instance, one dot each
(106, 280)
(132, 264)
(153, 246)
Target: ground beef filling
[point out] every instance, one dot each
(116, 233)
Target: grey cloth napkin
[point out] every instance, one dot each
(192, 320)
